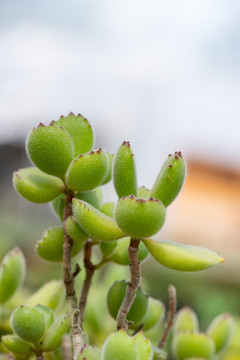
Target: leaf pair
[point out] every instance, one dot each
(188, 342)
(36, 330)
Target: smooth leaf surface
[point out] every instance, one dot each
(182, 257)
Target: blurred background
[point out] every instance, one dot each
(163, 75)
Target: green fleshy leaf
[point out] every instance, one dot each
(48, 314)
(143, 192)
(75, 231)
(91, 197)
(80, 131)
(221, 331)
(58, 206)
(143, 346)
(12, 274)
(109, 173)
(89, 353)
(186, 320)
(51, 149)
(159, 354)
(108, 209)
(139, 218)
(156, 311)
(17, 345)
(115, 297)
(50, 294)
(170, 179)
(187, 345)
(124, 172)
(120, 346)
(182, 257)
(28, 323)
(120, 255)
(36, 186)
(50, 247)
(53, 336)
(86, 172)
(108, 247)
(96, 224)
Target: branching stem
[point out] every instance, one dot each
(132, 285)
(77, 334)
(89, 268)
(172, 307)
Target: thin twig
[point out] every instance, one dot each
(90, 268)
(172, 307)
(132, 285)
(77, 334)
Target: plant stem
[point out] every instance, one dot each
(90, 268)
(77, 335)
(132, 285)
(172, 307)
(39, 356)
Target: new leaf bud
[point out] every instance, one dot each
(170, 179)
(124, 172)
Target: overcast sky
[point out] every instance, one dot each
(164, 74)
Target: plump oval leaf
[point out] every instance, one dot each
(221, 331)
(28, 323)
(120, 254)
(182, 257)
(86, 172)
(124, 172)
(120, 346)
(170, 179)
(17, 345)
(140, 218)
(53, 336)
(50, 148)
(189, 345)
(95, 223)
(50, 247)
(36, 186)
(75, 231)
(115, 297)
(12, 274)
(186, 320)
(80, 131)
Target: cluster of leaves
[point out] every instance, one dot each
(69, 174)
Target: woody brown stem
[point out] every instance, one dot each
(39, 356)
(132, 285)
(172, 307)
(89, 268)
(68, 276)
